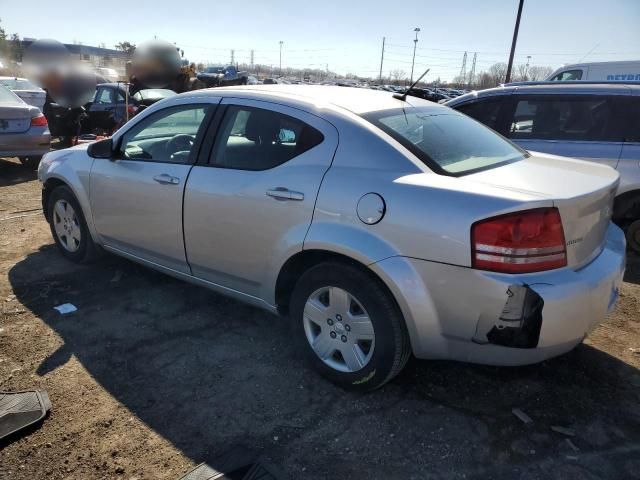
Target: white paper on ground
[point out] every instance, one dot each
(66, 308)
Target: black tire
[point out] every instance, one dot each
(633, 236)
(87, 250)
(392, 348)
(31, 162)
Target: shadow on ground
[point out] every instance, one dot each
(206, 372)
(13, 172)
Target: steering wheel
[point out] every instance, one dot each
(180, 143)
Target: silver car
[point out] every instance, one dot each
(24, 131)
(382, 226)
(586, 120)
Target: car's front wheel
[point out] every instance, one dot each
(633, 236)
(348, 326)
(69, 227)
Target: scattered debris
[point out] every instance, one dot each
(634, 350)
(21, 409)
(572, 445)
(10, 298)
(66, 308)
(526, 419)
(569, 432)
(117, 276)
(571, 457)
(238, 464)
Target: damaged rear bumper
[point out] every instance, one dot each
(500, 319)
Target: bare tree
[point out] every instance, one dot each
(539, 73)
(397, 75)
(498, 73)
(127, 47)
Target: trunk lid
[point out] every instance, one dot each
(14, 118)
(583, 192)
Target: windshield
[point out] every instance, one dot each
(18, 84)
(445, 141)
(214, 70)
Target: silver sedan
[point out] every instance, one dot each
(24, 131)
(381, 226)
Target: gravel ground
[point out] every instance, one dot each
(152, 376)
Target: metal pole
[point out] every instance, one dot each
(382, 58)
(280, 57)
(415, 44)
(513, 43)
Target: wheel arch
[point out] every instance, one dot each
(626, 208)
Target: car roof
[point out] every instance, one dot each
(577, 87)
(356, 100)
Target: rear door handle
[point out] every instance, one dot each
(166, 179)
(281, 193)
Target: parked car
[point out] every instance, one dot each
(590, 121)
(108, 110)
(381, 227)
(23, 129)
(26, 90)
(222, 76)
(626, 71)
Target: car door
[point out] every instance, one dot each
(490, 110)
(250, 205)
(580, 126)
(629, 164)
(102, 109)
(136, 197)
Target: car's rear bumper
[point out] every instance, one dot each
(455, 312)
(35, 141)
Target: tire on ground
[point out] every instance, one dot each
(391, 349)
(31, 162)
(87, 250)
(633, 236)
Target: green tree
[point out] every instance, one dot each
(127, 47)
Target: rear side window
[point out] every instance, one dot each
(568, 75)
(258, 139)
(486, 111)
(104, 96)
(556, 117)
(447, 142)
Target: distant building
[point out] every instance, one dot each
(97, 56)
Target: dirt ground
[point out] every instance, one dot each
(152, 376)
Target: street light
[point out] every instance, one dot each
(415, 44)
(281, 42)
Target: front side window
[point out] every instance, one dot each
(447, 142)
(258, 139)
(568, 75)
(165, 136)
(563, 118)
(485, 111)
(104, 96)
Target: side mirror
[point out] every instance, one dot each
(101, 149)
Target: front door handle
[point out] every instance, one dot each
(166, 179)
(281, 193)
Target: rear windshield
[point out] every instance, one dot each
(6, 96)
(18, 84)
(447, 142)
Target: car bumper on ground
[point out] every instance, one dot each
(476, 316)
(33, 142)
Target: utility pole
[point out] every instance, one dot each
(526, 69)
(233, 56)
(251, 58)
(281, 57)
(513, 42)
(382, 58)
(473, 69)
(415, 45)
(463, 68)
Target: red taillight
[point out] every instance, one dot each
(520, 242)
(132, 109)
(39, 121)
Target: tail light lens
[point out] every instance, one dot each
(39, 121)
(132, 109)
(520, 242)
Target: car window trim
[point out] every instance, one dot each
(196, 143)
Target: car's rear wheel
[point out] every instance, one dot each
(69, 227)
(348, 326)
(31, 162)
(633, 236)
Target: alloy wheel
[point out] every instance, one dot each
(67, 226)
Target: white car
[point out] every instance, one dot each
(627, 71)
(26, 90)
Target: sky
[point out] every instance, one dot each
(346, 36)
